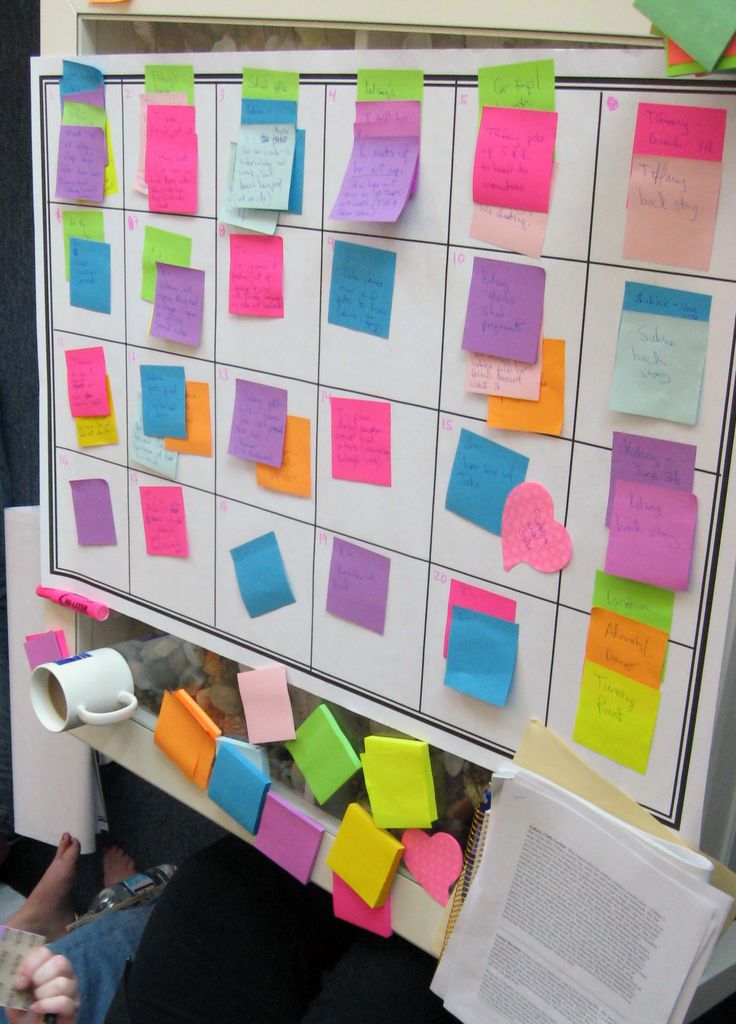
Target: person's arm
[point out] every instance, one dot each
(53, 986)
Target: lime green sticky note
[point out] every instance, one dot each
(384, 84)
(701, 27)
(264, 84)
(84, 114)
(171, 78)
(616, 716)
(161, 246)
(640, 601)
(110, 181)
(398, 778)
(81, 224)
(323, 753)
(526, 86)
(364, 856)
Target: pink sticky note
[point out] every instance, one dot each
(515, 230)
(256, 275)
(43, 647)
(530, 533)
(387, 119)
(361, 441)
(693, 133)
(266, 703)
(348, 906)
(478, 600)
(151, 99)
(494, 375)
(513, 158)
(171, 159)
(435, 861)
(164, 521)
(85, 381)
(651, 534)
(288, 837)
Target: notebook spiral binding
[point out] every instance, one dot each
(471, 860)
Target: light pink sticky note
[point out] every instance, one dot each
(493, 375)
(288, 837)
(361, 440)
(151, 99)
(348, 906)
(520, 231)
(266, 704)
(164, 521)
(85, 381)
(530, 533)
(257, 275)
(668, 129)
(513, 158)
(435, 861)
(43, 647)
(477, 600)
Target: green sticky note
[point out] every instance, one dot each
(263, 84)
(323, 754)
(171, 78)
(81, 224)
(84, 114)
(640, 601)
(398, 778)
(616, 716)
(384, 84)
(703, 28)
(691, 67)
(161, 246)
(527, 86)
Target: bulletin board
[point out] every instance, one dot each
(396, 677)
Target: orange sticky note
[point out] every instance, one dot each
(631, 648)
(364, 856)
(546, 415)
(199, 430)
(294, 475)
(187, 735)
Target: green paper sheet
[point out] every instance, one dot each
(526, 86)
(263, 84)
(701, 27)
(384, 84)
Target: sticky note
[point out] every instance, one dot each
(85, 381)
(357, 589)
(294, 475)
(256, 275)
(83, 113)
(87, 224)
(263, 164)
(616, 716)
(378, 179)
(673, 130)
(296, 186)
(198, 440)
(530, 533)
(161, 246)
(110, 179)
(679, 62)
(702, 27)
(386, 119)
(237, 785)
(398, 779)
(546, 415)
(261, 575)
(348, 906)
(493, 375)
(269, 112)
(365, 857)
(149, 451)
(187, 735)
(529, 85)
(640, 601)
(651, 460)
(80, 167)
(89, 275)
(389, 84)
(483, 474)
(513, 158)
(171, 159)
(504, 313)
(481, 655)
(633, 649)
(323, 753)
(178, 304)
(170, 78)
(289, 838)
(164, 521)
(269, 84)
(93, 512)
(258, 425)
(361, 440)
(435, 861)
(43, 647)
(266, 704)
(163, 400)
(362, 288)
(158, 99)
(78, 77)
(502, 227)
(651, 534)
(93, 431)
(465, 595)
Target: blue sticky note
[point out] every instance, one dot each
(483, 474)
(296, 189)
(651, 298)
(79, 77)
(237, 785)
(163, 401)
(362, 288)
(481, 655)
(261, 575)
(89, 274)
(261, 111)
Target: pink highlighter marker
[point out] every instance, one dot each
(75, 601)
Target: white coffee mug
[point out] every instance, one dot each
(94, 688)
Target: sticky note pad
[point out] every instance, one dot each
(365, 857)
(163, 401)
(483, 475)
(294, 475)
(86, 381)
(467, 596)
(546, 415)
(164, 521)
(261, 575)
(357, 589)
(288, 837)
(178, 304)
(362, 288)
(98, 430)
(504, 313)
(198, 440)
(640, 601)
(348, 906)
(187, 735)
(398, 778)
(149, 451)
(323, 753)
(256, 275)
(87, 224)
(237, 785)
(702, 27)
(616, 716)
(161, 246)
(258, 425)
(513, 158)
(481, 655)
(43, 647)
(633, 649)
(361, 440)
(93, 513)
(266, 704)
(650, 460)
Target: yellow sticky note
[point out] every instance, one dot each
(110, 180)
(616, 716)
(97, 430)
(398, 778)
(187, 735)
(199, 429)
(365, 857)
(293, 476)
(546, 415)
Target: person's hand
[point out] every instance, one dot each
(51, 981)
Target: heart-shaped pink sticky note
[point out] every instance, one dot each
(435, 861)
(530, 533)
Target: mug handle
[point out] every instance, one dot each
(130, 703)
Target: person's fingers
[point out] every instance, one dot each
(30, 963)
(56, 968)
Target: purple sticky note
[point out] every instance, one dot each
(93, 512)
(650, 460)
(378, 179)
(651, 534)
(504, 315)
(93, 97)
(177, 304)
(42, 647)
(288, 837)
(259, 422)
(80, 171)
(358, 586)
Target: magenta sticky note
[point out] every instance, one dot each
(650, 460)
(668, 129)
(357, 589)
(43, 647)
(93, 512)
(478, 600)
(164, 521)
(257, 275)
(82, 158)
(387, 119)
(266, 704)
(288, 837)
(378, 179)
(171, 159)
(178, 304)
(651, 534)
(504, 313)
(85, 381)
(513, 158)
(361, 440)
(259, 422)
(348, 906)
